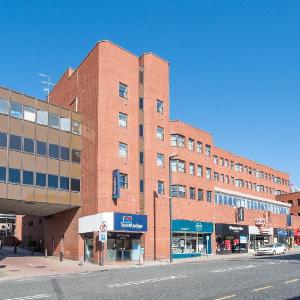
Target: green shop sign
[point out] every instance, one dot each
(192, 226)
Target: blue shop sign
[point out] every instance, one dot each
(282, 233)
(192, 226)
(130, 222)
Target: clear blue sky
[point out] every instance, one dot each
(235, 67)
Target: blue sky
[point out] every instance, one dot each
(235, 68)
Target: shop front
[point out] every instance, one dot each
(281, 236)
(124, 235)
(259, 236)
(297, 237)
(191, 238)
(231, 238)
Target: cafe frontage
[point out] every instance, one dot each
(191, 238)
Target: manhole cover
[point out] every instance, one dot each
(40, 267)
(2, 266)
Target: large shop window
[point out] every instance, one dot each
(188, 243)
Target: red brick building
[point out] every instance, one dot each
(128, 141)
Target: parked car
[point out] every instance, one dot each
(272, 249)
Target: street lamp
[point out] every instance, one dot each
(170, 205)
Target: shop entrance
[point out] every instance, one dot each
(88, 247)
(123, 246)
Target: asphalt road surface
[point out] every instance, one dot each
(264, 277)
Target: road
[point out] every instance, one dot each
(265, 277)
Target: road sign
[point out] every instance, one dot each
(103, 232)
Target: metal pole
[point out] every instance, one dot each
(170, 211)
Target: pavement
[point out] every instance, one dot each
(231, 277)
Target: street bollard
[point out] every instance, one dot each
(46, 253)
(81, 261)
(61, 256)
(15, 249)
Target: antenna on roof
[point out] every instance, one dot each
(47, 84)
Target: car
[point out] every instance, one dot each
(272, 249)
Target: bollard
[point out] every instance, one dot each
(61, 256)
(15, 249)
(81, 261)
(46, 253)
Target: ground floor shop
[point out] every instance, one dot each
(297, 237)
(231, 238)
(122, 239)
(259, 236)
(281, 236)
(191, 238)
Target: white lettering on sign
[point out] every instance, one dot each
(130, 225)
(260, 221)
(235, 228)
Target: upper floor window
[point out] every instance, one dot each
(199, 147)
(40, 179)
(177, 140)
(123, 118)
(123, 90)
(200, 194)
(76, 127)
(208, 196)
(141, 103)
(192, 193)
(15, 142)
(123, 151)
(2, 174)
(42, 117)
(226, 163)
(191, 144)
(53, 151)
(160, 160)
(52, 181)
(29, 114)
(192, 169)
(141, 77)
(238, 167)
(54, 121)
(41, 148)
(28, 145)
(65, 153)
(178, 165)
(216, 176)
(75, 185)
(3, 140)
(160, 106)
(4, 106)
(160, 133)
(208, 173)
(141, 157)
(199, 171)
(16, 110)
(64, 183)
(75, 156)
(14, 175)
(65, 124)
(222, 161)
(207, 150)
(160, 187)
(141, 130)
(123, 181)
(216, 159)
(141, 186)
(178, 191)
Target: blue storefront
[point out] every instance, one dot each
(191, 238)
(124, 242)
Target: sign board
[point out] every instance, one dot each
(116, 184)
(192, 226)
(142, 250)
(240, 214)
(103, 232)
(130, 222)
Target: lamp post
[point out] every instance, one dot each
(171, 206)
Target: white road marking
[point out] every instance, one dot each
(226, 297)
(262, 288)
(234, 268)
(41, 296)
(146, 281)
(293, 280)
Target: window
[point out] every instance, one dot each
(141, 157)
(192, 193)
(41, 148)
(53, 151)
(75, 185)
(76, 128)
(290, 202)
(298, 201)
(208, 173)
(199, 147)
(222, 177)
(123, 90)
(216, 176)
(160, 160)
(200, 194)
(141, 103)
(191, 144)
(4, 106)
(160, 106)
(64, 183)
(64, 153)
(42, 117)
(232, 180)
(2, 173)
(40, 179)
(160, 133)
(123, 120)
(222, 161)
(54, 121)
(27, 177)
(123, 181)
(16, 110)
(226, 163)
(75, 156)
(28, 145)
(178, 165)
(178, 191)
(65, 124)
(141, 77)
(123, 150)
(208, 196)
(15, 142)
(226, 179)
(141, 130)
(177, 140)
(29, 114)
(3, 140)
(192, 169)
(141, 186)
(160, 187)
(199, 171)
(216, 159)
(207, 150)
(14, 175)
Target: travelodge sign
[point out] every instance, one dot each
(130, 222)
